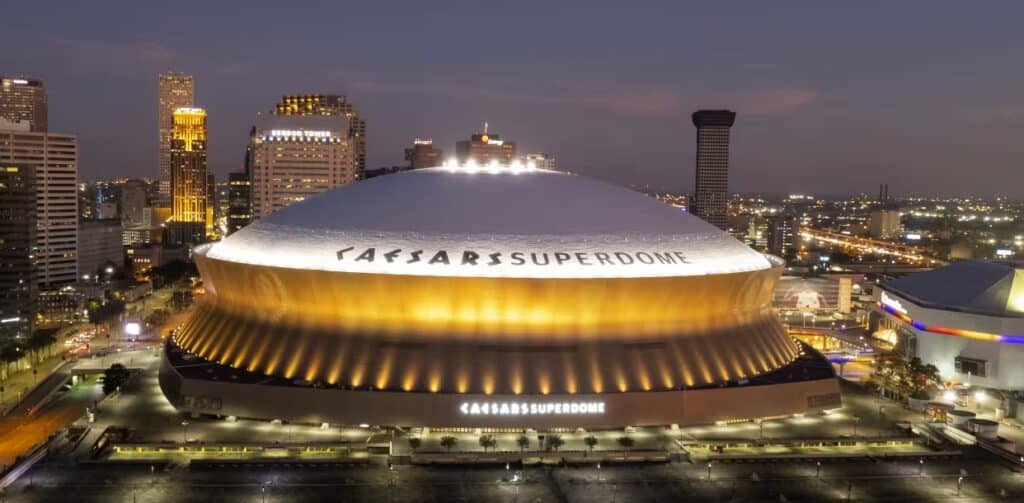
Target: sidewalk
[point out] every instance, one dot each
(18, 385)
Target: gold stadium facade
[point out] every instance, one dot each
(507, 297)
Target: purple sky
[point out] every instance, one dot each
(927, 96)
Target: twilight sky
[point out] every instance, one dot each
(925, 95)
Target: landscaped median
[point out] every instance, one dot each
(152, 452)
(807, 449)
(539, 457)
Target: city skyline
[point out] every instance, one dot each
(827, 108)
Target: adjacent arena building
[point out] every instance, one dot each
(966, 318)
(489, 297)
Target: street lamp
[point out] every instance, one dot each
(959, 483)
(184, 432)
(920, 470)
(599, 478)
(856, 419)
(817, 473)
(709, 471)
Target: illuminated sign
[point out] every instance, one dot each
(302, 133)
(531, 408)
(132, 328)
(913, 237)
(893, 303)
(1002, 252)
(19, 81)
(515, 258)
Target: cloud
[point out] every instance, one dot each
(94, 57)
(772, 101)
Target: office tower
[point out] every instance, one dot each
(24, 99)
(211, 203)
(133, 204)
(330, 105)
(99, 247)
(176, 90)
(485, 147)
(783, 231)
(542, 161)
(423, 154)
(710, 198)
(239, 201)
(54, 157)
(188, 176)
(17, 235)
(294, 157)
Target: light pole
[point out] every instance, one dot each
(920, 470)
(599, 477)
(817, 473)
(184, 432)
(856, 420)
(709, 471)
(959, 483)
(263, 491)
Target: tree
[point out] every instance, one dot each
(42, 339)
(9, 354)
(523, 441)
(114, 377)
(591, 441)
(448, 442)
(415, 442)
(625, 442)
(555, 441)
(487, 441)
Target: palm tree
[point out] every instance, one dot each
(524, 442)
(415, 442)
(591, 441)
(487, 441)
(448, 442)
(625, 442)
(555, 441)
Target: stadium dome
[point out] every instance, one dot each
(440, 284)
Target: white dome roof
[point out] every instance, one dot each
(529, 224)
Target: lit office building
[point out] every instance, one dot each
(99, 247)
(885, 224)
(423, 154)
(711, 195)
(485, 147)
(54, 157)
(294, 157)
(176, 90)
(782, 233)
(542, 161)
(17, 233)
(330, 105)
(239, 201)
(188, 177)
(24, 100)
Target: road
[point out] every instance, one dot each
(22, 431)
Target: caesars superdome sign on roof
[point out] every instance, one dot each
(439, 222)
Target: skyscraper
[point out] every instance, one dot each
(485, 147)
(188, 176)
(176, 90)
(294, 157)
(423, 154)
(133, 204)
(783, 231)
(24, 99)
(54, 157)
(330, 105)
(710, 198)
(239, 201)
(17, 262)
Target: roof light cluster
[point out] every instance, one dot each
(494, 167)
